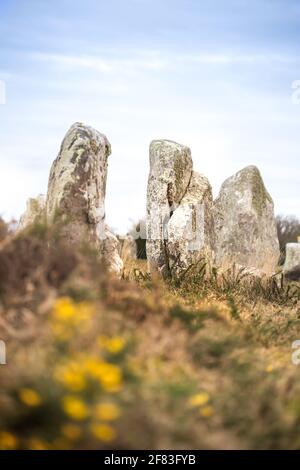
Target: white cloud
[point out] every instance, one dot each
(135, 96)
(145, 62)
(131, 61)
(224, 58)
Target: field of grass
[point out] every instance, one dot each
(94, 362)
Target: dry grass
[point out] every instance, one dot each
(96, 362)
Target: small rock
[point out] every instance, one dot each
(291, 268)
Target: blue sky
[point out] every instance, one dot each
(214, 75)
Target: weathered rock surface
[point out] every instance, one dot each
(110, 248)
(35, 212)
(170, 174)
(245, 226)
(191, 227)
(76, 191)
(128, 248)
(291, 267)
(77, 184)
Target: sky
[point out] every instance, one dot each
(214, 75)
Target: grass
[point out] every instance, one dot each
(95, 362)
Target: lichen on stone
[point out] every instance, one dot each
(77, 187)
(245, 224)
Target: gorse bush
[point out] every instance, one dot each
(79, 400)
(95, 362)
(83, 382)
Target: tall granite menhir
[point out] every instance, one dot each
(245, 225)
(179, 210)
(170, 173)
(77, 184)
(76, 194)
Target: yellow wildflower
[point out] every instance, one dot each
(269, 368)
(109, 375)
(199, 399)
(30, 397)
(95, 367)
(68, 315)
(112, 345)
(115, 345)
(107, 411)
(71, 431)
(206, 411)
(111, 378)
(64, 309)
(72, 376)
(75, 408)
(7, 441)
(103, 432)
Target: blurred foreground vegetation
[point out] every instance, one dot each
(94, 362)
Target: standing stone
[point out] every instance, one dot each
(170, 174)
(245, 226)
(35, 212)
(291, 267)
(77, 184)
(110, 249)
(76, 189)
(191, 227)
(128, 248)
